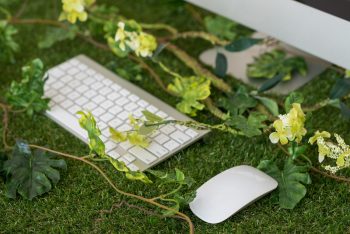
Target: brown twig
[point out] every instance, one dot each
(147, 200)
(5, 122)
(197, 68)
(21, 9)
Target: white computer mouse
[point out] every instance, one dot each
(230, 191)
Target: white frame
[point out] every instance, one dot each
(306, 28)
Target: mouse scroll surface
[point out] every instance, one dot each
(230, 191)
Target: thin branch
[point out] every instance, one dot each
(198, 34)
(166, 27)
(185, 217)
(21, 9)
(5, 122)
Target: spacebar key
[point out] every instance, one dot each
(143, 155)
(68, 121)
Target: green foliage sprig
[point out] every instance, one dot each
(8, 46)
(28, 94)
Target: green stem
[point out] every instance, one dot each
(166, 27)
(163, 196)
(203, 35)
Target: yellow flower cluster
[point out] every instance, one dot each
(289, 127)
(143, 44)
(340, 151)
(75, 9)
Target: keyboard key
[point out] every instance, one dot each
(171, 145)
(65, 66)
(180, 137)
(82, 77)
(152, 109)
(113, 96)
(106, 117)
(110, 145)
(167, 129)
(122, 101)
(115, 87)
(107, 104)
(129, 157)
(162, 114)
(161, 139)
(90, 72)
(143, 155)
(58, 85)
(66, 79)
(124, 128)
(122, 159)
(59, 98)
(130, 107)
(115, 110)
(125, 145)
(99, 99)
(133, 98)
(90, 93)
(132, 167)
(107, 82)
(81, 101)
(72, 71)
(88, 80)
(157, 149)
(98, 111)
(51, 93)
(115, 123)
(82, 89)
(106, 133)
(123, 115)
(82, 67)
(90, 106)
(96, 86)
(124, 92)
(143, 103)
(67, 103)
(74, 84)
(56, 72)
(113, 154)
(105, 91)
(191, 133)
(74, 62)
(73, 96)
(74, 109)
(102, 125)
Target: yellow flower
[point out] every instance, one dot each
(75, 9)
(289, 127)
(318, 134)
(280, 134)
(121, 36)
(147, 44)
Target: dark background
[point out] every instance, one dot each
(340, 8)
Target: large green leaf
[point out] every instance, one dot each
(293, 97)
(250, 126)
(271, 83)
(291, 181)
(241, 44)
(54, 35)
(220, 27)
(192, 90)
(28, 93)
(31, 173)
(340, 89)
(269, 64)
(270, 104)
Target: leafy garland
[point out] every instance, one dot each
(248, 113)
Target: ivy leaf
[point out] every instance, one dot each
(117, 136)
(250, 127)
(8, 46)
(88, 122)
(291, 181)
(347, 74)
(271, 83)
(31, 174)
(269, 64)
(239, 102)
(192, 90)
(270, 104)
(293, 97)
(242, 43)
(151, 117)
(221, 65)
(137, 139)
(28, 93)
(220, 27)
(340, 89)
(174, 177)
(54, 35)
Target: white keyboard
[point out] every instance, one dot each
(82, 84)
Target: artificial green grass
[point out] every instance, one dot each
(73, 205)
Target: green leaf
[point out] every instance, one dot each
(293, 97)
(345, 110)
(271, 83)
(239, 102)
(31, 173)
(250, 127)
(340, 89)
(347, 74)
(3, 158)
(180, 176)
(291, 181)
(88, 122)
(8, 46)
(54, 35)
(269, 64)
(151, 117)
(242, 43)
(270, 104)
(221, 65)
(117, 136)
(28, 93)
(220, 27)
(192, 90)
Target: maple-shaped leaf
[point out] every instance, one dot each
(31, 173)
